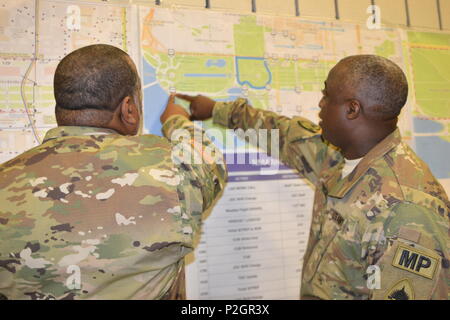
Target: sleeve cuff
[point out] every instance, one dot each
(221, 113)
(174, 122)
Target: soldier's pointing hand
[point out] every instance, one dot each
(201, 106)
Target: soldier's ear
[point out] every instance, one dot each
(353, 109)
(129, 115)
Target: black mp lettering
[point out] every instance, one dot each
(423, 262)
(406, 260)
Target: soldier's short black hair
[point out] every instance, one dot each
(380, 81)
(92, 79)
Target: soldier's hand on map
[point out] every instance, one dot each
(201, 106)
(172, 109)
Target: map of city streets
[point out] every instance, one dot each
(278, 63)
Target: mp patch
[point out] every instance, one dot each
(416, 261)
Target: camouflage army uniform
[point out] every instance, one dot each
(91, 214)
(389, 213)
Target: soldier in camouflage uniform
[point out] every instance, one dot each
(96, 211)
(388, 219)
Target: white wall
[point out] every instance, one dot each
(422, 13)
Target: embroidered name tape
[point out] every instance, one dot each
(415, 261)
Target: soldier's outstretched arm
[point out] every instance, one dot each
(298, 140)
(200, 163)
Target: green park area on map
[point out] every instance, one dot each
(430, 54)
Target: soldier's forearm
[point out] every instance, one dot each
(173, 123)
(239, 114)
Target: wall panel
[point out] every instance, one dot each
(393, 12)
(234, 5)
(445, 14)
(423, 13)
(354, 10)
(286, 7)
(317, 8)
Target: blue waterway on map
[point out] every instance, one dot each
(435, 152)
(248, 82)
(227, 99)
(149, 72)
(426, 126)
(312, 22)
(284, 46)
(155, 100)
(216, 62)
(235, 90)
(312, 46)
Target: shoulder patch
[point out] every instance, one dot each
(416, 261)
(309, 126)
(409, 271)
(402, 290)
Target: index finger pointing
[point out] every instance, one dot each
(171, 98)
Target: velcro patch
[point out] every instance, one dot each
(308, 125)
(416, 261)
(336, 217)
(402, 290)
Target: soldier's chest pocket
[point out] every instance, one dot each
(333, 222)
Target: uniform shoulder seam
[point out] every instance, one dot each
(399, 185)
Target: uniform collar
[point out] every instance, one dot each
(339, 188)
(65, 131)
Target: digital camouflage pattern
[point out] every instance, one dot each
(389, 212)
(91, 214)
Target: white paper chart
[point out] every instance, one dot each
(254, 239)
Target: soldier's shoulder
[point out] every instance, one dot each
(301, 128)
(413, 175)
(137, 147)
(301, 123)
(20, 160)
(146, 140)
(84, 145)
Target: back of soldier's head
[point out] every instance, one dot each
(378, 82)
(90, 83)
